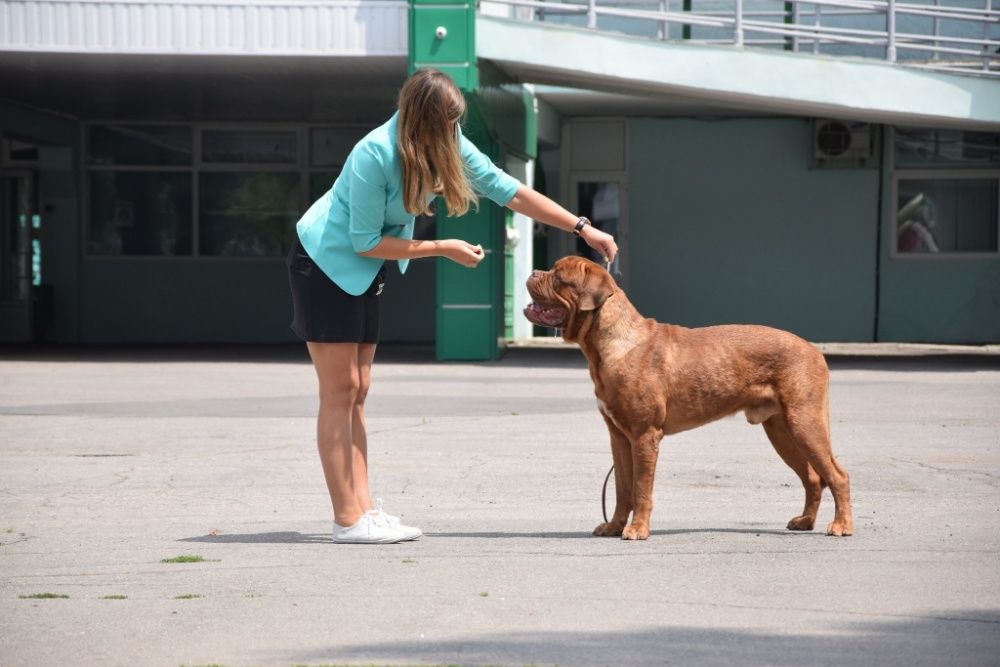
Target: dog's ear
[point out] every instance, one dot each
(597, 287)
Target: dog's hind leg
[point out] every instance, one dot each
(621, 454)
(811, 431)
(788, 450)
(645, 450)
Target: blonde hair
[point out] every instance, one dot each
(430, 108)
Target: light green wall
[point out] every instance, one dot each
(729, 224)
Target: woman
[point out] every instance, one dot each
(336, 270)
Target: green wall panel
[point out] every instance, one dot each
(455, 52)
(730, 224)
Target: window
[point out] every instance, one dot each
(248, 147)
(947, 192)
(149, 145)
(185, 190)
(247, 214)
(139, 213)
(955, 215)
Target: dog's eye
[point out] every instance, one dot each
(561, 279)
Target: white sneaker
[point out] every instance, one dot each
(369, 529)
(412, 532)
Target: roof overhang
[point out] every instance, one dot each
(755, 80)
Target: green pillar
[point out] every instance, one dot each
(470, 301)
(443, 36)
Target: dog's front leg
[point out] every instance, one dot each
(645, 450)
(621, 454)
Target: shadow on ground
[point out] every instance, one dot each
(938, 638)
(293, 537)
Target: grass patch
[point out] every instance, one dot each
(115, 597)
(251, 594)
(187, 596)
(409, 560)
(43, 596)
(484, 594)
(183, 559)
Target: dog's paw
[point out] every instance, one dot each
(804, 522)
(839, 528)
(609, 529)
(635, 532)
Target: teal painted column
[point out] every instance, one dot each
(443, 36)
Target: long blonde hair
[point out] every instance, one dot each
(430, 107)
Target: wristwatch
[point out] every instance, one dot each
(581, 222)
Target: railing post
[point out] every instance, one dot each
(890, 19)
(739, 23)
(592, 14)
(937, 31)
(817, 13)
(664, 30)
(986, 36)
(794, 6)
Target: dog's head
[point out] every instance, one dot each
(564, 296)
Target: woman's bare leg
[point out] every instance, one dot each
(359, 436)
(339, 387)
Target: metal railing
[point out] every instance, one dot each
(951, 35)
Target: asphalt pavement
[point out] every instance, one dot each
(114, 460)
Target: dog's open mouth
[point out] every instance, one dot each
(546, 316)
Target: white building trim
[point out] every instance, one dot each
(757, 80)
(206, 27)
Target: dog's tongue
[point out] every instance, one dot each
(552, 317)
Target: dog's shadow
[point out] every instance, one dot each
(294, 537)
(589, 535)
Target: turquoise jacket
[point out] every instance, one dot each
(366, 203)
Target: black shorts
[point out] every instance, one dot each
(324, 313)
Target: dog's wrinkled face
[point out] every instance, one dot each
(574, 286)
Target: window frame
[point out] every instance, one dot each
(950, 173)
(302, 167)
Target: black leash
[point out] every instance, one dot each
(604, 493)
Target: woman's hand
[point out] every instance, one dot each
(463, 253)
(600, 241)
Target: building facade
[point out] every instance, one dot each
(156, 154)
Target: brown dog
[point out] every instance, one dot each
(655, 379)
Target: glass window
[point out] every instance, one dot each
(19, 151)
(139, 213)
(249, 146)
(926, 148)
(155, 145)
(947, 215)
(330, 146)
(320, 182)
(601, 203)
(247, 214)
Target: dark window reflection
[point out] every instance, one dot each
(139, 213)
(248, 147)
(601, 203)
(247, 214)
(140, 145)
(947, 215)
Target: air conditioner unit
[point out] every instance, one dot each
(838, 143)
